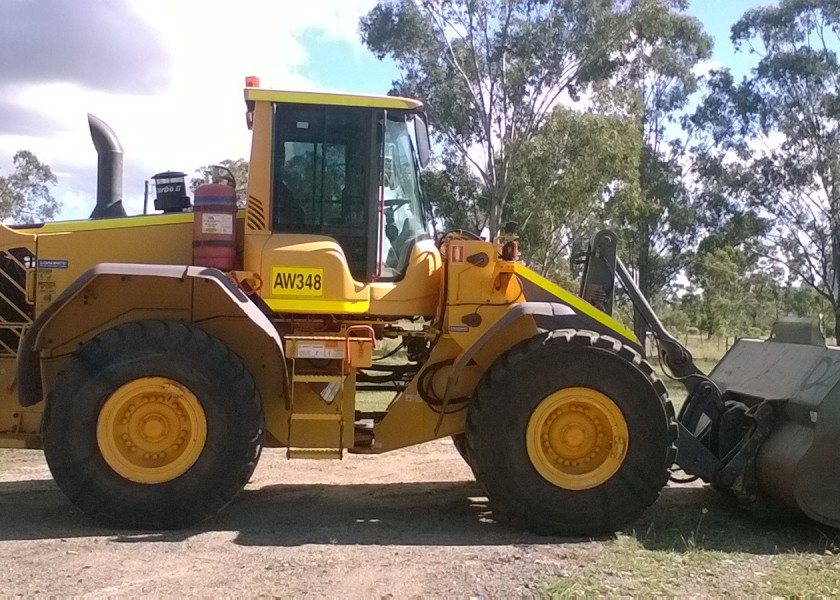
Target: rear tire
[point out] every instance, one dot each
(571, 433)
(153, 425)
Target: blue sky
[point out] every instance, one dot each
(334, 63)
(717, 18)
(167, 76)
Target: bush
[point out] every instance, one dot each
(675, 320)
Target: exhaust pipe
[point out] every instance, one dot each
(109, 172)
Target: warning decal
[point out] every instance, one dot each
(216, 224)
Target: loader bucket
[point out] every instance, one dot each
(799, 462)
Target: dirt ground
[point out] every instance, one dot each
(411, 523)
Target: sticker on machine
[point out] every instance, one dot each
(53, 263)
(216, 224)
(456, 253)
(319, 349)
(297, 281)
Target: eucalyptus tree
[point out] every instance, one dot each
(491, 72)
(780, 126)
(25, 195)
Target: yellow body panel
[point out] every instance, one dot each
(161, 240)
(570, 299)
(258, 208)
(331, 99)
(287, 252)
(418, 292)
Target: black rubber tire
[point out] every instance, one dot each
(459, 440)
(508, 394)
(190, 356)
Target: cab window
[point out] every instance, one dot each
(323, 163)
(403, 214)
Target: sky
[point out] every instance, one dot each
(167, 77)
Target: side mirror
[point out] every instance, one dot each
(421, 134)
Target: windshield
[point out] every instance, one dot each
(404, 219)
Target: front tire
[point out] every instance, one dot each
(153, 425)
(571, 433)
(459, 440)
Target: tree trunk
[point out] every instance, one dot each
(834, 207)
(836, 324)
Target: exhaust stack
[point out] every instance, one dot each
(109, 172)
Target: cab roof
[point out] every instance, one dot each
(254, 94)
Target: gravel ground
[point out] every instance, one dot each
(411, 523)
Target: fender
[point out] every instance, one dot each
(547, 316)
(114, 293)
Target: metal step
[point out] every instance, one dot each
(314, 453)
(318, 378)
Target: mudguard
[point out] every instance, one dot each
(547, 316)
(113, 293)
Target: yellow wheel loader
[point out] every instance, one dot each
(152, 357)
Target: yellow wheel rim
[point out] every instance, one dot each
(577, 438)
(151, 430)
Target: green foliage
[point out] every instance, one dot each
(658, 226)
(458, 197)
(237, 167)
(566, 176)
(491, 72)
(779, 131)
(25, 194)
(675, 319)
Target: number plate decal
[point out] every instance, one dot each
(297, 281)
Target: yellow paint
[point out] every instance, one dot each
(317, 306)
(331, 99)
(151, 430)
(120, 223)
(162, 242)
(577, 438)
(297, 281)
(578, 304)
(257, 218)
(418, 292)
(306, 254)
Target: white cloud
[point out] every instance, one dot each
(195, 115)
(704, 67)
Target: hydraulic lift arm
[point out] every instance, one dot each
(704, 404)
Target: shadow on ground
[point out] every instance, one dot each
(427, 513)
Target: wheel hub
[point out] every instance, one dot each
(577, 438)
(151, 430)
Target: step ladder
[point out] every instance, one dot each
(322, 405)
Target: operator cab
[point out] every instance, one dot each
(350, 173)
(334, 197)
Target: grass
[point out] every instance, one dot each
(706, 353)
(679, 550)
(694, 541)
(375, 401)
